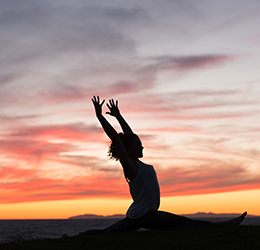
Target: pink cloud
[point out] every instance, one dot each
(27, 142)
(75, 131)
(32, 149)
(180, 129)
(207, 179)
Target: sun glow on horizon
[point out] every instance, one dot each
(232, 202)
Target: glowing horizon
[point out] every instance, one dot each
(187, 83)
(232, 202)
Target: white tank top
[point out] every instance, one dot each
(145, 191)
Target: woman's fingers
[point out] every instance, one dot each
(112, 103)
(96, 100)
(93, 99)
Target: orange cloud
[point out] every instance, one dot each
(21, 185)
(24, 185)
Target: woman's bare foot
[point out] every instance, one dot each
(229, 223)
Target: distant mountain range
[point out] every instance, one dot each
(121, 216)
(94, 216)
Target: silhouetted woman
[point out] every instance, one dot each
(142, 180)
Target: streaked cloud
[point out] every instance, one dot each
(214, 177)
(186, 63)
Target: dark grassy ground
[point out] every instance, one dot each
(242, 237)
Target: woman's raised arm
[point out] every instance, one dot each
(130, 168)
(109, 130)
(114, 111)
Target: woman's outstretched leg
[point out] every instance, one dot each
(160, 219)
(229, 223)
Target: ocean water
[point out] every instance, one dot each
(12, 229)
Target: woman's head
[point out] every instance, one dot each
(132, 144)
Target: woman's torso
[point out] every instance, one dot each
(145, 191)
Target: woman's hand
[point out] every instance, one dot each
(113, 107)
(97, 105)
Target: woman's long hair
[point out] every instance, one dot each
(126, 139)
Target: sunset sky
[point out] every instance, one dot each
(186, 74)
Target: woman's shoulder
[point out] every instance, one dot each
(140, 163)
